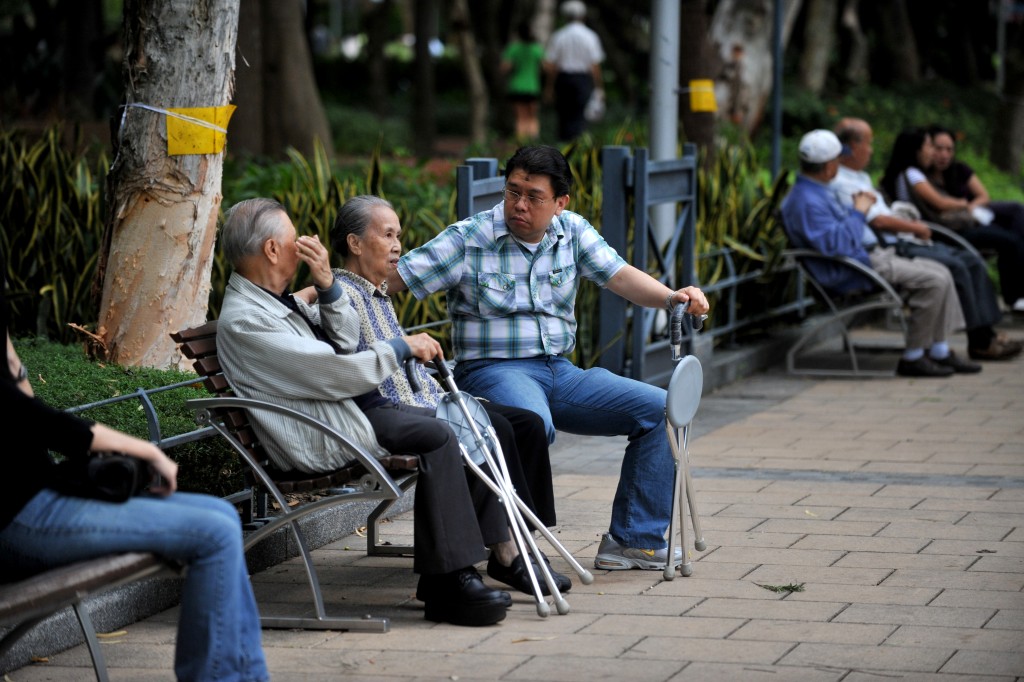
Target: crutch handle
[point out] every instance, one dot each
(442, 367)
(413, 375)
(676, 327)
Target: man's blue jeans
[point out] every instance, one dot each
(219, 626)
(594, 402)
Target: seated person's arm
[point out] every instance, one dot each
(981, 197)
(891, 223)
(926, 192)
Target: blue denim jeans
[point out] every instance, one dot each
(219, 626)
(594, 402)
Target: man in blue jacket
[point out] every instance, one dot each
(816, 220)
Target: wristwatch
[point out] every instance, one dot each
(22, 374)
(669, 301)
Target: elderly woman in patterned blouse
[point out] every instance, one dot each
(366, 234)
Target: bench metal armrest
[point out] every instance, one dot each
(852, 263)
(941, 233)
(203, 408)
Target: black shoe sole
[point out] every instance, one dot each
(469, 615)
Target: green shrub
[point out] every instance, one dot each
(63, 377)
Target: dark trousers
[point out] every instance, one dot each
(572, 90)
(973, 286)
(1009, 215)
(1009, 248)
(455, 514)
(524, 443)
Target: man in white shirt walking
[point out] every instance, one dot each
(572, 62)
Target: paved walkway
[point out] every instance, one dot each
(896, 506)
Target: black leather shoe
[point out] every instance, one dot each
(461, 598)
(924, 366)
(959, 365)
(516, 576)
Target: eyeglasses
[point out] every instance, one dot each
(514, 197)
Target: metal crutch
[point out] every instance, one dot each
(464, 418)
(683, 397)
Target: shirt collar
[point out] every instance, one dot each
(364, 284)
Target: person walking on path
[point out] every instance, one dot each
(522, 63)
(573, 64)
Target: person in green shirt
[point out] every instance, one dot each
(521, 62)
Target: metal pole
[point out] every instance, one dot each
(1003, 10)
(664, 101)
(777, 91)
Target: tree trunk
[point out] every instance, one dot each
(1008, 128)
(697, 60)
(741, 31)
(164, 209)
(424, 114)
(819, 39)
(856, 70)
(901, 59)
(293, 113)
(478, 97)
(246, 130)
(376, 17)
(82, 28)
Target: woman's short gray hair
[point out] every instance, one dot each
(354, 216)
(248, 225)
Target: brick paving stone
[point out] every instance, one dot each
(790, 631)
(823, 527)
(569, 668)
(697, 649)
(666, 626)
(993, 599)
(800, 511)
(975, 580)
(813, 575)
(915, 514)
(902, 614)
(884, 659)
(730, 672)
(1011, 619)
(738, 539)
(862, 544)
(764, 555)
(971, 639)
(945, 531)
(866, 594)
(914, 561)
(767, 610)
(999, 663)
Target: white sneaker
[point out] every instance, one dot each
(612, 556)
(1018, 305)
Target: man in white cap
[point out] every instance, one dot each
(815, 219)
(572, 62)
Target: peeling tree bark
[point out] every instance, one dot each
(164, 209)
(741, 30)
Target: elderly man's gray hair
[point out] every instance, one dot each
(248, 225)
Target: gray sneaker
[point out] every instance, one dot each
(612, 556)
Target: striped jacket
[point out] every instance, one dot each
(268, 352)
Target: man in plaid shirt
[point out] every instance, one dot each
(511, 275)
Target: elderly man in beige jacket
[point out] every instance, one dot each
(278, 348)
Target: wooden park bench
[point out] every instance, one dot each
(382, 480)
(26, 603)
